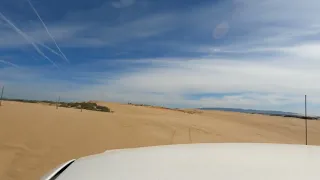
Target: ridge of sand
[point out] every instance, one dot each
(35, 138)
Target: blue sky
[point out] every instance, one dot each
(182, 53)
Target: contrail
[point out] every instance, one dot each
(48, 48)
(9, 63)
(41, 44)
(44, 46)
(44, 25)
(27, 38)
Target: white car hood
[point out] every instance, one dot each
(220, 161)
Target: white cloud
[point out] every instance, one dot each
(275, 84)
(223, 76)
(272, 23)
(123, 3)
(221, 30)
(309, 51)
(140, 28)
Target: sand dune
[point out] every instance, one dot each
(35, 138)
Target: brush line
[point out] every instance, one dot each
(27, 38)
(45, 27)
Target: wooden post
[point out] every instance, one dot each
(57, 102)
(306, 120)
(1, 95)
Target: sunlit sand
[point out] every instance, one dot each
(35, 138)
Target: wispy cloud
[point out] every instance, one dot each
(123, 3)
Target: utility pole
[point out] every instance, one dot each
(1, 95)
(305, 116)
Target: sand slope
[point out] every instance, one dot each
(35, 138)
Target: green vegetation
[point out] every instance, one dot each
(78, 105)
(29, 101)
(85, 105)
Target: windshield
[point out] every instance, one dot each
(82, 77)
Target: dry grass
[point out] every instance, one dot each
(35, 138)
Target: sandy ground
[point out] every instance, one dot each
(35, 138)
